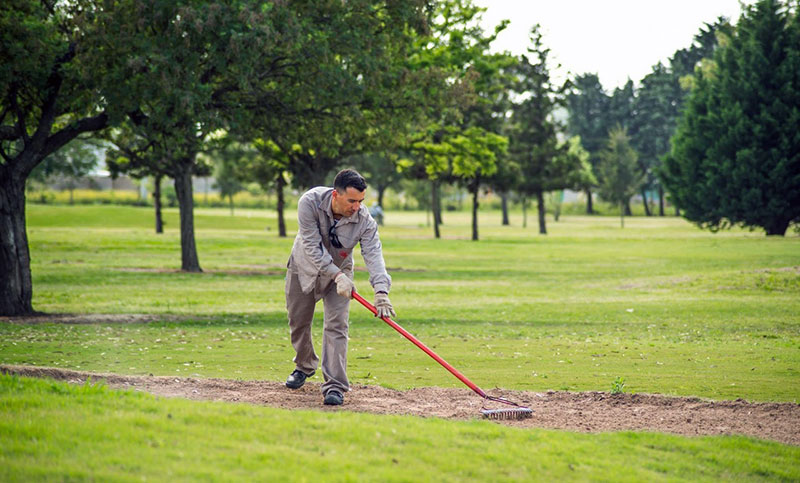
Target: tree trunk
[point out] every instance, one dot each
(540, 202)
(777, 227)
(183, 190)
(504, 204)
(644, 200)
(157, 203)
(589, 208)
(475, 212)
(230, 198)
(381, 192)
(436, 203)
(437, 209)
(627, 208)
(558, 203)
(281, 183)
(622, 215)
(524, 212)
(660, 201)
(16, 288)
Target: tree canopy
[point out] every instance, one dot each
(736, 156)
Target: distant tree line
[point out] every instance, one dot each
(715, 130)
(284, 93)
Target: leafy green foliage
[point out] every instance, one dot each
(73, 161)
(587, 104)
(619, 171)
(618, 386)
(734, 159)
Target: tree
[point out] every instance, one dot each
(431, 158)
(191, 69)
(574, 169)
(534, 142)
(619, 169)
(226, 162)
(135, 156)
(505, 180)
(71, 163)
(458, 45)
(656, 116)
(47, 101)
(269, 171)
(658, 104)
(622, 112)
(587, 104)
(735, 155)
(380, 170)
(475, 152)
(576, 166)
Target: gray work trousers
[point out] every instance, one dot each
(336, 310)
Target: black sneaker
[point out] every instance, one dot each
(334, 398)
(297, 379)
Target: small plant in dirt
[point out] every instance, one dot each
(618, 386)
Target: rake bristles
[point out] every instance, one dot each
(507, 414)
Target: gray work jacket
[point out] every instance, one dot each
(313, 255)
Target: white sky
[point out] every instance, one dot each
(616, 39)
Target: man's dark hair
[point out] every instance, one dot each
(348, 178)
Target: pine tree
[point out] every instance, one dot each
(620, 175)
(736, 155)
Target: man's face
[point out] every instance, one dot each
(347, 203)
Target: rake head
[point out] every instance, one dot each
(507, 414)
(517, 412)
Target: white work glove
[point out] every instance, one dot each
(383, 305)
(344, 286)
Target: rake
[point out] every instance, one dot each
(515, 412)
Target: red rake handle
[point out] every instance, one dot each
(422, 346)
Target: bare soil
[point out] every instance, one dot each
(583, 412)
(48, 318)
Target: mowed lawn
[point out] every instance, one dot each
(667, 307)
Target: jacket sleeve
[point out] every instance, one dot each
(372, 252)
(311, 239)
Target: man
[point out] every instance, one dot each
(330, 224)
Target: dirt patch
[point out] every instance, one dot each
(243, 270)
(88, 319)
(780, 269)
(584, 412)
(244, 273)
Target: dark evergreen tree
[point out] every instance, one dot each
(534, 139)
(656, 117)
(736, 155)
(587, 104)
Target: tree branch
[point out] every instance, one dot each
(14, 104)
(62, 137)
(9, 133)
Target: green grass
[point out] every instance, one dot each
(114, 435)
(661, 305)
(669, 308)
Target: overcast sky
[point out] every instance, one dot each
(617, 39)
